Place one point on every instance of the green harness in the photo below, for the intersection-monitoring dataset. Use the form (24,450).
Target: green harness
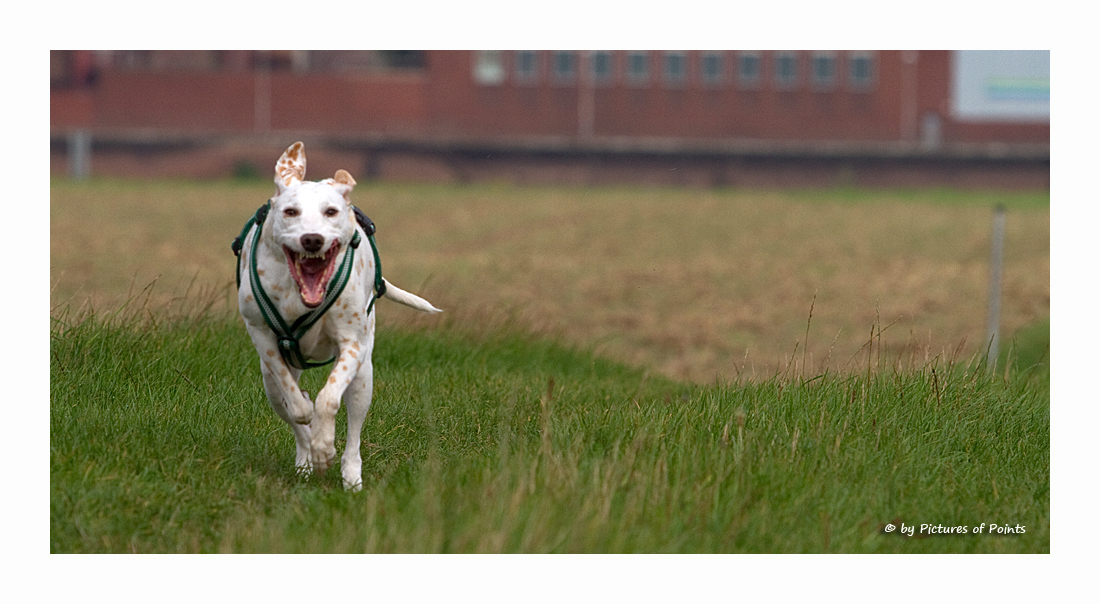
(289,335)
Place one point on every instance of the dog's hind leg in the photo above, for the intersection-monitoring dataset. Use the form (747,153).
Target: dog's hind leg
(357,398)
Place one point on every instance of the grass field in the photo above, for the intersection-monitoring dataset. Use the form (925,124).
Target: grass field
(162,441)
(567,400)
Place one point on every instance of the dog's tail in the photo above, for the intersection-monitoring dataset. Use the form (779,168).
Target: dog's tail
(411,300)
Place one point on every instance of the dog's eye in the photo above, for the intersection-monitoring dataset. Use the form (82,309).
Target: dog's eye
(331,212)
(290,212)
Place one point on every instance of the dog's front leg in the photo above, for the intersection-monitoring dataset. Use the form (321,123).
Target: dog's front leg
(283,394)
(323,427)
(277,398)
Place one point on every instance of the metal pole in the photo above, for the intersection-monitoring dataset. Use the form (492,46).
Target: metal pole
(80,154)
(993,324)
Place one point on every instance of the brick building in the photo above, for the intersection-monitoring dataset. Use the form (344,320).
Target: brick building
(715,117)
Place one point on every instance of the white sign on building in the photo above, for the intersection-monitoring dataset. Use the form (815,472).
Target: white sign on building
(1001,85)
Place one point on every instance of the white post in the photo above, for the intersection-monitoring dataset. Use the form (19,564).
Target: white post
(993,324)
(80,154)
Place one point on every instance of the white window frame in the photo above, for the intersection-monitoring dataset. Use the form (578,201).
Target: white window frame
(598,78)
(719,76)
(782,82)
(670,79)
(744,80)
(564,78)
(860,84)
(638,78)
(522,76)
(824,82)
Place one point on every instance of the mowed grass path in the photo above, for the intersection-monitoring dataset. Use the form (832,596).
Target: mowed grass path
(161,441)
(695,284)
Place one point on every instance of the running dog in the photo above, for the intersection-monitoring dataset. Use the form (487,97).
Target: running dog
(306,292)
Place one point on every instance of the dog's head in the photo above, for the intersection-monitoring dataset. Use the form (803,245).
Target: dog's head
(311,221)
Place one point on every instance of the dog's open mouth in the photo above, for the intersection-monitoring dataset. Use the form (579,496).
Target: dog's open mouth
(312,273)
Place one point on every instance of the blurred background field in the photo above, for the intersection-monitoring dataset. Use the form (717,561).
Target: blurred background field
(695,284)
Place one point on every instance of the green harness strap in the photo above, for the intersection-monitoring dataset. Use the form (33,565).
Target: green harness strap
(289,336)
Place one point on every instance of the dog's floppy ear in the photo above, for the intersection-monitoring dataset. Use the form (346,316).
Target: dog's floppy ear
(291,167)
(342,182)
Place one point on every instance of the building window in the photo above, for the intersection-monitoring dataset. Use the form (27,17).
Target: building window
(861,70)
(823,70)
(601,67)
(712,67)
(489,67)
(527,66)
(749,69)
(637,68)
(675,69)
(786,70)
(565,66)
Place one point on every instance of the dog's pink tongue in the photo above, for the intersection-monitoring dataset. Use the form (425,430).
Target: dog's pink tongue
(312,286)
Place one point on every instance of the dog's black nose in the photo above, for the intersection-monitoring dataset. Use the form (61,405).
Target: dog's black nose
(312,242)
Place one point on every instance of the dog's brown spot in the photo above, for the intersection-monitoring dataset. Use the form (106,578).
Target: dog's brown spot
(292,164)
(355,345)
(248,298)
(332,379)
(260,272)
(270,353)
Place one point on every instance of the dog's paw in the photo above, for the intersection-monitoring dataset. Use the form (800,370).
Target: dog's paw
(353,487)
(351,470)
(303,419)
(322,462)
(302,413)
(322,455)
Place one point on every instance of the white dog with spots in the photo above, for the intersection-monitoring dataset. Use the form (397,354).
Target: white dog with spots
(308,230)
